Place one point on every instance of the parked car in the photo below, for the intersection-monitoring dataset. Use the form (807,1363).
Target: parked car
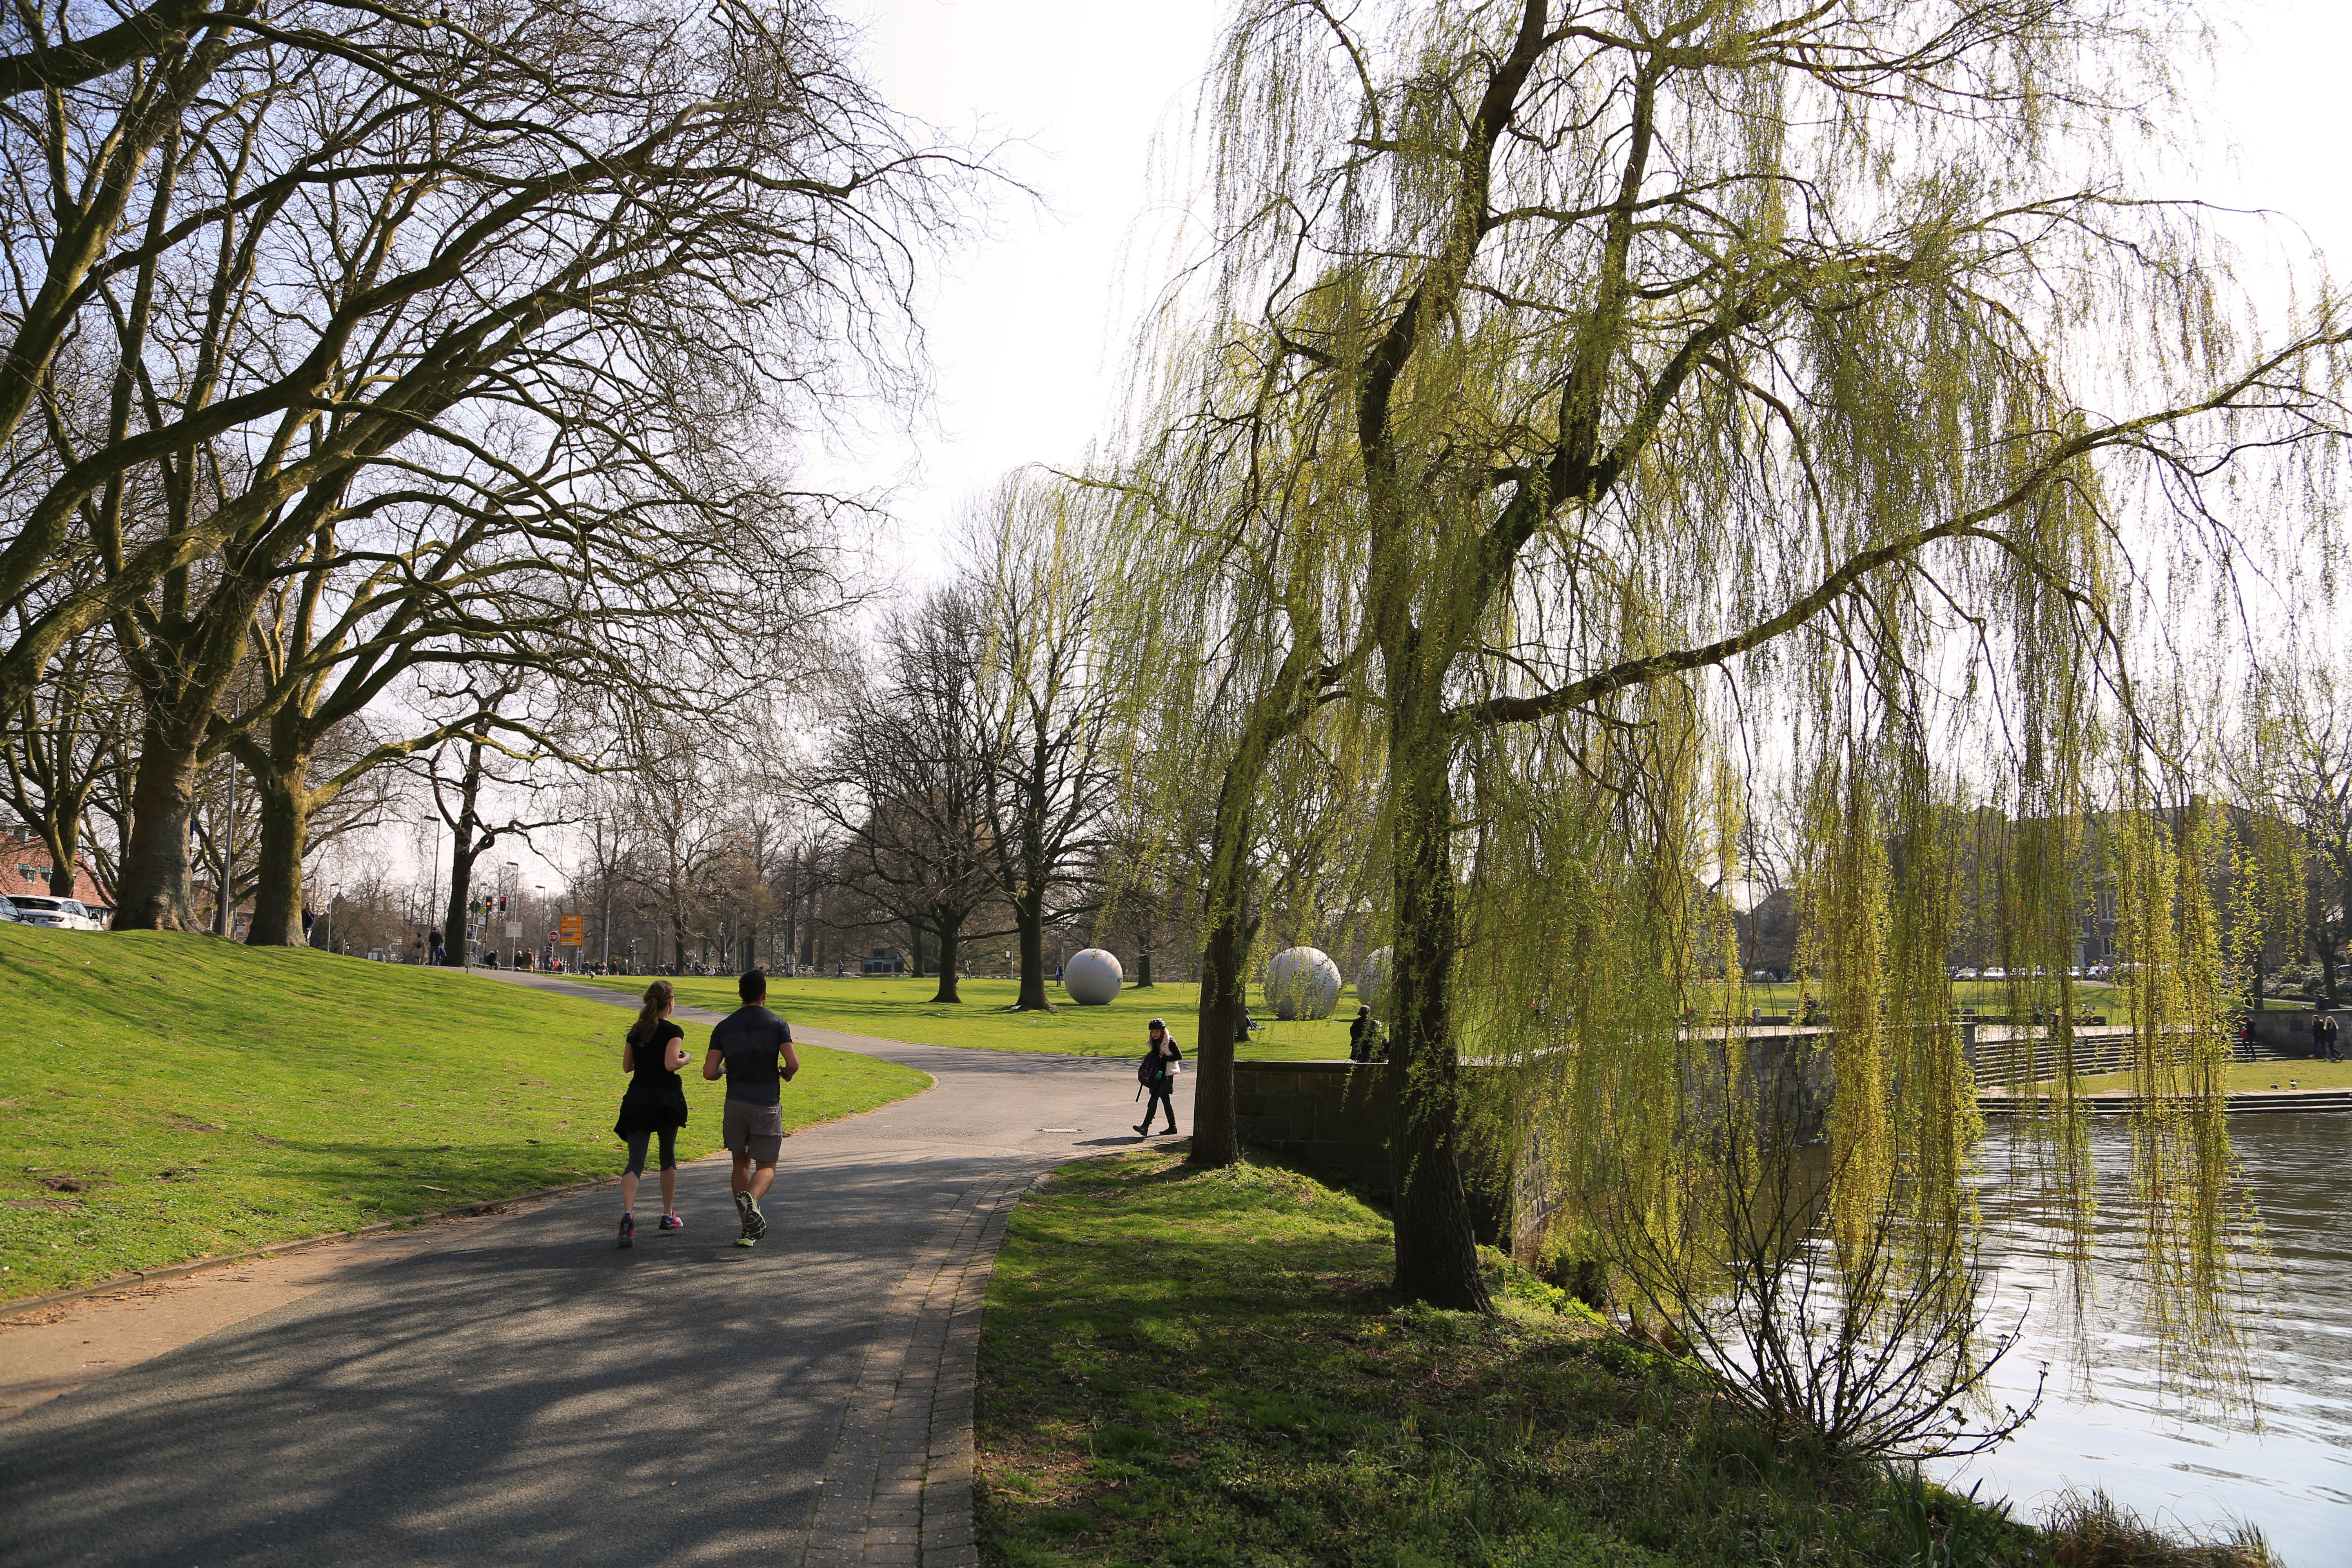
(8,915)
(67,914)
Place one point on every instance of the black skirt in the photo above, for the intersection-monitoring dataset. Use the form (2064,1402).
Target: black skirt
(651,1112)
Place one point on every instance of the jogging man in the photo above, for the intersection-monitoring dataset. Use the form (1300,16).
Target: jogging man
(753,1050)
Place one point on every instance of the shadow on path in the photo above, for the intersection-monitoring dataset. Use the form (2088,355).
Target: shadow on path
(528,1392)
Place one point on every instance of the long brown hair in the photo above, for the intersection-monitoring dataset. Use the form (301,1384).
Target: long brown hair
(656,999)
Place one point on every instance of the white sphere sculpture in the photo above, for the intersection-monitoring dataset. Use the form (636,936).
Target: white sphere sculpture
(1372,978)
(1302,982)
(1093,977)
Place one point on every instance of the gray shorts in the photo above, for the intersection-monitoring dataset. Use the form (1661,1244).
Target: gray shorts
(753,1131)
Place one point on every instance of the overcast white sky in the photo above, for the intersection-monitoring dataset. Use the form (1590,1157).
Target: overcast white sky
(1027,327)
(1027,330)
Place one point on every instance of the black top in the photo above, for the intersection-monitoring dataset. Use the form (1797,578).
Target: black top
(753,1039)
(655,1098)
(1154,1066)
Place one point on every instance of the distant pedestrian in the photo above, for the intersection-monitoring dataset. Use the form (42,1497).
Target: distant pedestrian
(439,954)
(654,1106)
(753,1050)
(1157,1072)
(2326,1038)
(1363,1035)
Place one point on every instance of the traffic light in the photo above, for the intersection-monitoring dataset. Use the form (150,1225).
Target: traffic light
(502,903)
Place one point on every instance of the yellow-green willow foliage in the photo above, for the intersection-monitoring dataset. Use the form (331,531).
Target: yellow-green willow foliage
(1711,386)
(1232,549)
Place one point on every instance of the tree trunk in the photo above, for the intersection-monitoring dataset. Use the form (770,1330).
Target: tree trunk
(277,871)
(1223,995)
(1224,989)
(1029,920)
(463,852)
(1143,970)
(1436,1251)
(154,894)
(915,949)
(950,945)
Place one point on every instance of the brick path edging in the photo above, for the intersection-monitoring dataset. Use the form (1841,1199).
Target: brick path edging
(898,1487)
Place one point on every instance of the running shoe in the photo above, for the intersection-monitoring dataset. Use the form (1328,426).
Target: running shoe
(671,1222)
(628,1230)
(755,1224)
(743,1211)
(747,1239)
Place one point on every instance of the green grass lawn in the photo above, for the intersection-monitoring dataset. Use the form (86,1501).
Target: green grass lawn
(1984,995)
(2259,1077)
(1186,1367)
(902,1010)
(178,1097)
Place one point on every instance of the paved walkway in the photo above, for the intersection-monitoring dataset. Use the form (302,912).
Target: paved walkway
(520,1391)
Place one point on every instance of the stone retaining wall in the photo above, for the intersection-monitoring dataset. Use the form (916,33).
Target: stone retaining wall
(1330,1115)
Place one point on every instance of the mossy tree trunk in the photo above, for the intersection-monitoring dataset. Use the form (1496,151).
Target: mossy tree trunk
(282,784)
(154,893)
(1436,1253)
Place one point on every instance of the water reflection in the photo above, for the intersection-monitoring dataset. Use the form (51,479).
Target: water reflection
(2284,1463)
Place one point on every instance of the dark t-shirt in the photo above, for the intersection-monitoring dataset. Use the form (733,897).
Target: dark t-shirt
(752,1040)
(654,1099)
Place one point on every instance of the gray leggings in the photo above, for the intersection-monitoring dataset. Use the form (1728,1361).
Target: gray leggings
(637,1142)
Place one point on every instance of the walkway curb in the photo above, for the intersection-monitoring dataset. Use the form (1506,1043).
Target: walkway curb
(898,1486)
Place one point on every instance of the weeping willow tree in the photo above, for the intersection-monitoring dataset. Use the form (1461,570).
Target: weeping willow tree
(1233,529)
(1721,389)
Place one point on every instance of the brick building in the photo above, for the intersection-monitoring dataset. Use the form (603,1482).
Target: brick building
(24,865)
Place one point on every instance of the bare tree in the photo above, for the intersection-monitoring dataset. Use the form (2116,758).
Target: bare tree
(648,229)
(466,787)
(1052,787)
(65,740)
(678,804)
(907,785)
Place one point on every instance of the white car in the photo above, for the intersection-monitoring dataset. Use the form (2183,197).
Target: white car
(65,914)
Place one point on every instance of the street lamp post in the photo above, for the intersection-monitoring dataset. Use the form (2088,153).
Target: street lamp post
(513,890)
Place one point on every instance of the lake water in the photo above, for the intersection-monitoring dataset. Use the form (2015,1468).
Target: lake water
(2105,1421)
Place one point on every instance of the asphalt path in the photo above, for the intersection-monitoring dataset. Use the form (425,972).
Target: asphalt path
(528,1393)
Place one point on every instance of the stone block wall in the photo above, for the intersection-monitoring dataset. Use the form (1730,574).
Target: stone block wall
(1330,1116)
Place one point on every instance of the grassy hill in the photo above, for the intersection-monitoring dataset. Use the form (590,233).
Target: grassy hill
(176,1097)
(902,1010)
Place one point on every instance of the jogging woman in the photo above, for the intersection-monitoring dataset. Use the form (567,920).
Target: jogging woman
(655,1103)
(1157,1071)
